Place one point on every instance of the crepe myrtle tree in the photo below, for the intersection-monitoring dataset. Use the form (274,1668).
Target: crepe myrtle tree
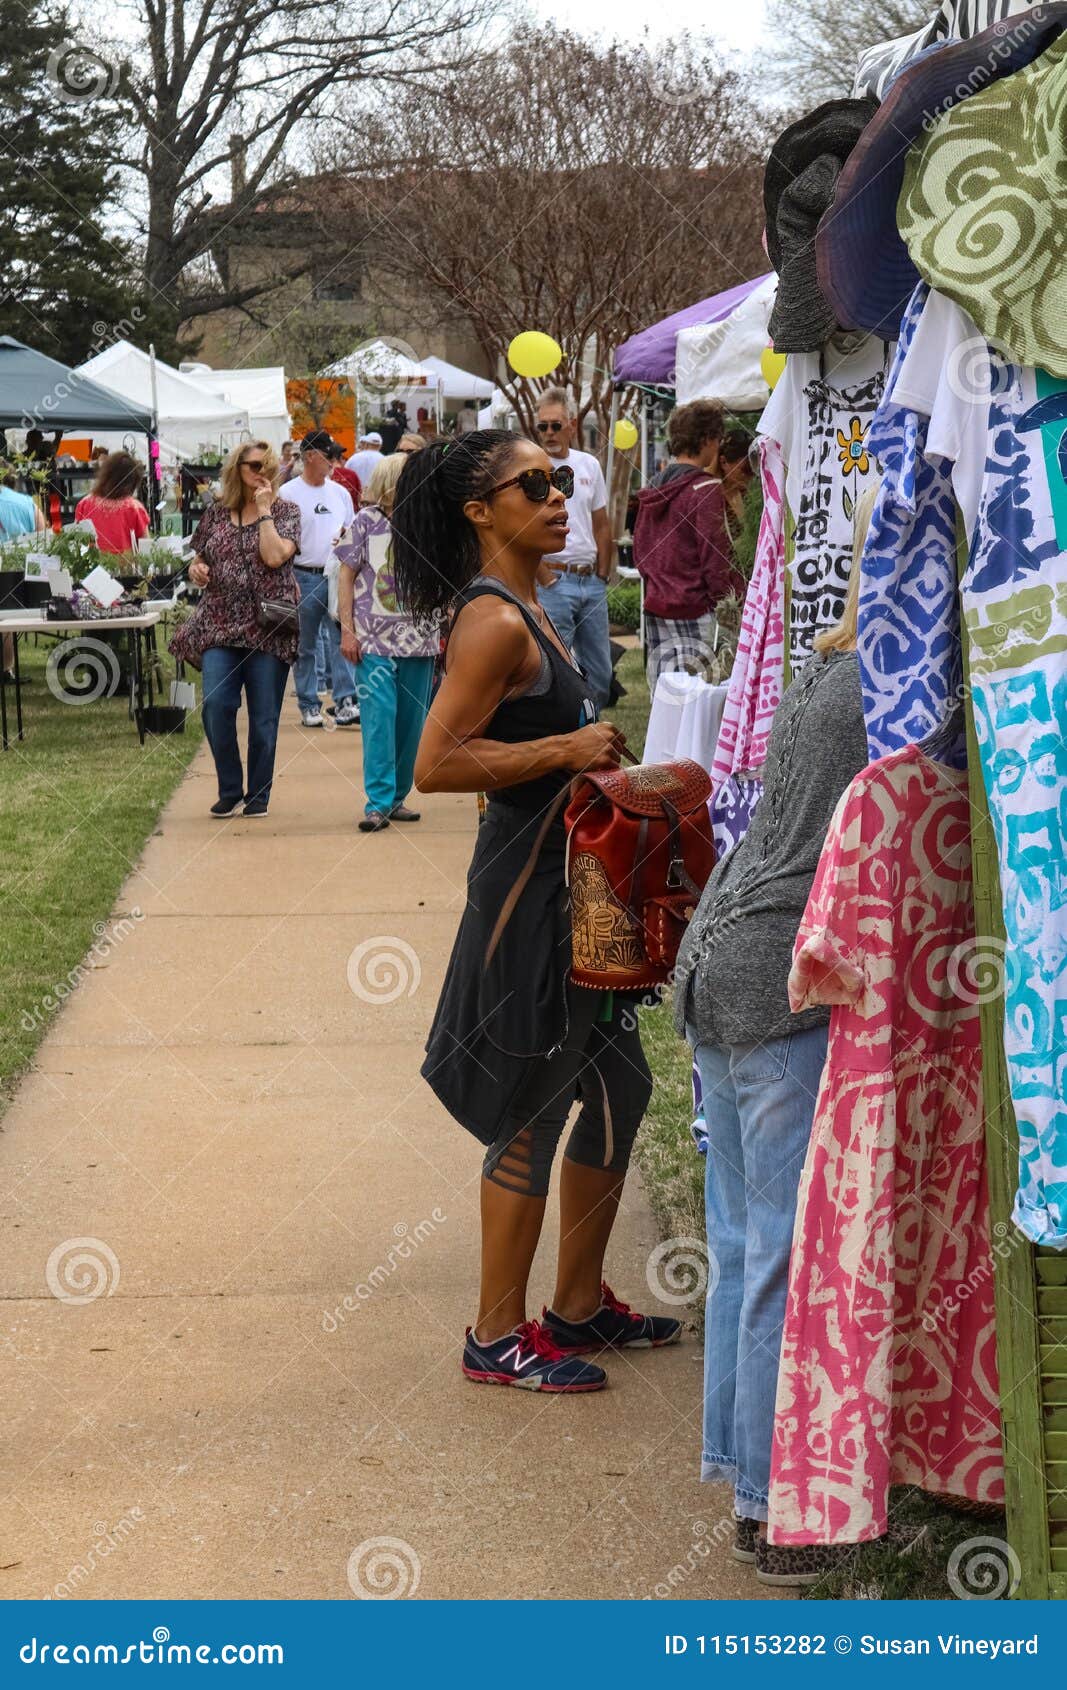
(223,95)
(580,189)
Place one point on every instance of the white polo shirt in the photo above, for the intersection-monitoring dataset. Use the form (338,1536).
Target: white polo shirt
(324,514)
(590,494)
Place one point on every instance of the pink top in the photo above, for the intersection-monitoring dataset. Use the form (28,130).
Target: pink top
(119,523)
(756,682)
(888,1372)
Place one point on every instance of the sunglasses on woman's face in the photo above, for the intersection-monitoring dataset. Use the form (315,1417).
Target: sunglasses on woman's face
(549,427)
(535,483)
(252,463)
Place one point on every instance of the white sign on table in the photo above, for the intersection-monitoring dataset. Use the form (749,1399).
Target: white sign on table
(104,588)
(60,582)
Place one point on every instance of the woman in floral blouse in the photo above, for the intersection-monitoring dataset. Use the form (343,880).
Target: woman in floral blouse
(243,547)
(395,657)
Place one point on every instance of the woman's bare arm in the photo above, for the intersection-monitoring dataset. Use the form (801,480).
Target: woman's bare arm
(488,659)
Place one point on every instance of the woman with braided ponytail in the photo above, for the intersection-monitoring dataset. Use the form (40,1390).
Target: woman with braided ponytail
(512,1045)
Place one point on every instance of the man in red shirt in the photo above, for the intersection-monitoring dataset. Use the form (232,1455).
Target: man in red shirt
(347,477)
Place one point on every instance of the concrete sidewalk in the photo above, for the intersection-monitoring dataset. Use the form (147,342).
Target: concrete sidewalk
(224,1137)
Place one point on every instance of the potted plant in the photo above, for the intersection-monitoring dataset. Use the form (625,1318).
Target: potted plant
(162,567)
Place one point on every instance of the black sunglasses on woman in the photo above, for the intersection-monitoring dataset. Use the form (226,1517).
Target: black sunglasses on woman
(536,483)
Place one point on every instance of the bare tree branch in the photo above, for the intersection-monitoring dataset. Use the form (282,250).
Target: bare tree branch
(587,192)
(815,47)
(217,83)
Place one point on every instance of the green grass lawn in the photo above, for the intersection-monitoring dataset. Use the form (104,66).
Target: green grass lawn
(78,798)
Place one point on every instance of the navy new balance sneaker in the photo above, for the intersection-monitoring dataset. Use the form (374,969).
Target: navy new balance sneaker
(614,1326)
(528,1358)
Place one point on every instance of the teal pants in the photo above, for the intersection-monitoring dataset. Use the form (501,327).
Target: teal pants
(394,696)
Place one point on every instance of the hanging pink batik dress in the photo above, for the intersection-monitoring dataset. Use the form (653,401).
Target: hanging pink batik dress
(888,1371)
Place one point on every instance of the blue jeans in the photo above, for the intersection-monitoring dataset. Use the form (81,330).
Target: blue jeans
(226,671)
(394,696)
(578,606)
(759,1105)
(314,609)
(323,656)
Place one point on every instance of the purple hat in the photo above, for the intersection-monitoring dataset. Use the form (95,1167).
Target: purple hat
(864,270)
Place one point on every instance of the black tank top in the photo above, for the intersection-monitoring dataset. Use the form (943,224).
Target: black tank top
(557,703)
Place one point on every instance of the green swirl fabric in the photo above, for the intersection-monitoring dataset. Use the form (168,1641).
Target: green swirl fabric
(983,210)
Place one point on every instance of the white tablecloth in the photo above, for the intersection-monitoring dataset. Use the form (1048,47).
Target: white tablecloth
(685,719)
(36,622)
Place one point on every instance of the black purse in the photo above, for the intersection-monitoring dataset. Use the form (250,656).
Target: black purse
(278,615)
(275,615)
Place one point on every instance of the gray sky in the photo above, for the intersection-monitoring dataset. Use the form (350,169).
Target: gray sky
(736,23)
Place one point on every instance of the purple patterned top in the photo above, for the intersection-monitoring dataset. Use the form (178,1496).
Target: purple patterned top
(381,626)
(228,612)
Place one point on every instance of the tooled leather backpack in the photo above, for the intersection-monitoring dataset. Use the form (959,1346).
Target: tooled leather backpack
(639,852)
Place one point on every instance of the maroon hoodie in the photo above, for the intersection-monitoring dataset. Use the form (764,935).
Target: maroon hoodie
(681,547)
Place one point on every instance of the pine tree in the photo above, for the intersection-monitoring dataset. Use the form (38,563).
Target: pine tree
(67,285)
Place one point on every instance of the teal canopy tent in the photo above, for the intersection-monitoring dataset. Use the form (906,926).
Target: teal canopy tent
(38,392)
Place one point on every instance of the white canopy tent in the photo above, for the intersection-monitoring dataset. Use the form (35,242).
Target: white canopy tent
(499,413)
(722,360)
(260,392)
(457,383)
(380,371)
(188,419)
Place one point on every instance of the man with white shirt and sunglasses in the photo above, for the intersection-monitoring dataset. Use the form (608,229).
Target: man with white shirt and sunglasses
(326,512)
(577,599)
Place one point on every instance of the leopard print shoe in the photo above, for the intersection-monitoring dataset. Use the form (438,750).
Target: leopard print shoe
(745,1534)
(804,1564)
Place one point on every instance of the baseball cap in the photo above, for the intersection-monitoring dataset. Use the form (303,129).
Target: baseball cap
(317,441)
(373,439)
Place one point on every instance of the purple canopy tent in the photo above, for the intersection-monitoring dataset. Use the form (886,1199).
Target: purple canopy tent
(648,357)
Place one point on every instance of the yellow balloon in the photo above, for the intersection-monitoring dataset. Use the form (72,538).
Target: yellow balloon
(534,354)
(771,365)
(625,434)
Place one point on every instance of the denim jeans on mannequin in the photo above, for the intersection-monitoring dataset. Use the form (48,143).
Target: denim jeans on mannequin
(759,1105)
